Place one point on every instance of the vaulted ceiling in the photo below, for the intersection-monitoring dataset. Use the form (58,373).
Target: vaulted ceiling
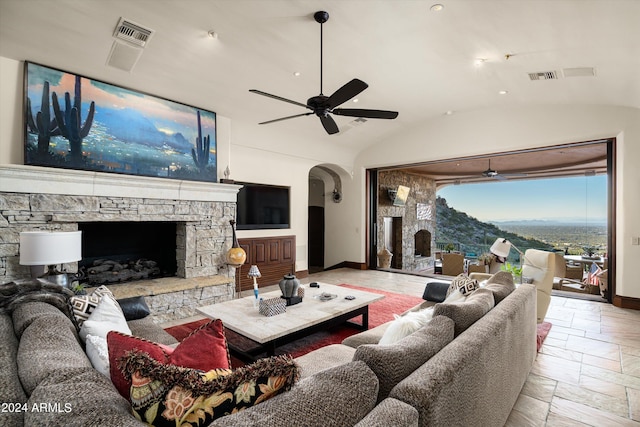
(420,62)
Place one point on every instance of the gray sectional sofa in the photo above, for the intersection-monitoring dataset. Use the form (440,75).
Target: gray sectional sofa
(433,377)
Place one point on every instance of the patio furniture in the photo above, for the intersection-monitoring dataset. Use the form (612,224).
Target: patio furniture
(539,266)
(475,268)
(452,264)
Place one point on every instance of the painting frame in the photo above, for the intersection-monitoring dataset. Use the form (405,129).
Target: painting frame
(76,122)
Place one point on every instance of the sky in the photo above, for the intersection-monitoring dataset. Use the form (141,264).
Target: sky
(577,199)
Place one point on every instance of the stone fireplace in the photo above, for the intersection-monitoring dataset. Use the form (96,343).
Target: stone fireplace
(189,219)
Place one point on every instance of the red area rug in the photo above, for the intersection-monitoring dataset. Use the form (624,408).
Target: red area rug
(379,312)
(543,331)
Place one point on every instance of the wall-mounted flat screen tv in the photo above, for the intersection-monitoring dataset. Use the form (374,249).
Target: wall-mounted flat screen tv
(262,206)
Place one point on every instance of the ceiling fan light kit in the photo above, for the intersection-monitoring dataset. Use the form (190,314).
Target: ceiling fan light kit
(323,106)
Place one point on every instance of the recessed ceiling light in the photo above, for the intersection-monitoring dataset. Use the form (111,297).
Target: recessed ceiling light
(503,92)
(448,113)
(355,99)
(212,34)
(479,61)
(437,7)
(297,73)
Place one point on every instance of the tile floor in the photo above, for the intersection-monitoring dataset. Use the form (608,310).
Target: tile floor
(588,370)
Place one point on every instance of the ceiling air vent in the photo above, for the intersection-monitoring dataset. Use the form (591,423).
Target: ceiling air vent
(132,32)
(579,72)
(543,75)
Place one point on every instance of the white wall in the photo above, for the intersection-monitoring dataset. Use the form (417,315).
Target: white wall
(498,130)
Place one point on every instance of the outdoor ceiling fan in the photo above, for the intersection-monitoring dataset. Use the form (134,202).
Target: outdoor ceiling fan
(323,106)
(490,173)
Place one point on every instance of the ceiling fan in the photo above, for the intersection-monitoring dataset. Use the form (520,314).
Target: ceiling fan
(490,173)
(323,106)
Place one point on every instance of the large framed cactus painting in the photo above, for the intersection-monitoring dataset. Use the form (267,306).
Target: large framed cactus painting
(80,123)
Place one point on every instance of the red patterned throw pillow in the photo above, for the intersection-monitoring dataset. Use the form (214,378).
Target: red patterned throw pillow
(204,349)
(168,395)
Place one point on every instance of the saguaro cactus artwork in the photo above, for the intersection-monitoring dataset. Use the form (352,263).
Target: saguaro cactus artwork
(43,125)
(200,154)
(70,121)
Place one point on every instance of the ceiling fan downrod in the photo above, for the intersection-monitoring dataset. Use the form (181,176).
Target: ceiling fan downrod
(321,17)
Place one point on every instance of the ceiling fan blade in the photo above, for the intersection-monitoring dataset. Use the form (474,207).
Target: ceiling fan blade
(346,92)
(369,114)
(499,177)
(279,98)
(284,118)
(329,124)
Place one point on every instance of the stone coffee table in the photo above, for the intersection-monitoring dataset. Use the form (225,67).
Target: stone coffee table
(256,334)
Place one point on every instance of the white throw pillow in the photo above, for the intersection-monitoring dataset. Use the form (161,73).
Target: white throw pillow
(456,297)
(404,326)
(107,316)
(98,354)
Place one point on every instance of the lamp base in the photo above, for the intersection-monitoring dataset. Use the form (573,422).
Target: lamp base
(54,276)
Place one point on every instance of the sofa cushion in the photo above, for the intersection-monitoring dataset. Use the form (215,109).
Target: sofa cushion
(391,412)
(204,349)
(83,305)
(82,397)
(106,317)
(465,314)
(168,395)
(147,328)
(10,388)
(393,363)
(49,343)
(134,308)
(324,358)
(501,284)
(339,396)
(370,336)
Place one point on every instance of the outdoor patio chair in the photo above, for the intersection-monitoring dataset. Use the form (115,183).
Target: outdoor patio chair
(452,264)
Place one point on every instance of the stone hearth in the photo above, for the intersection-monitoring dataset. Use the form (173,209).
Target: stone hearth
(37,198)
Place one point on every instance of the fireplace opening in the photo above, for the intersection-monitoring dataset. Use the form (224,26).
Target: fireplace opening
(422,243)
(115,252)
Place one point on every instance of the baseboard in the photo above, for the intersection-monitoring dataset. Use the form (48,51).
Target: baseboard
(348,264)
(300,274)
(626,302)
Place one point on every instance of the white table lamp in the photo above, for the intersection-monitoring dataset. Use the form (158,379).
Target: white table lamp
(254,273)
(46,248)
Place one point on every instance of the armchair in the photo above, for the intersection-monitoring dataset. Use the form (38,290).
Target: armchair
(452,264)
(540,266)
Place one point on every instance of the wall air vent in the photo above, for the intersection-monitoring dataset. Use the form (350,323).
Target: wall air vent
(543,75)
(132,32)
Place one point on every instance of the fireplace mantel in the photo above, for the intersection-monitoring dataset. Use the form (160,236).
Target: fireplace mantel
(43,198)
(46,180)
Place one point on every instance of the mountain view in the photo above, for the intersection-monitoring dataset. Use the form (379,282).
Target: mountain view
(470,235)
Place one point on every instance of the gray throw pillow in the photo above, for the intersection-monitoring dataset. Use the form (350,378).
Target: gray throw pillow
(501,284)
(393,363)
(466,313)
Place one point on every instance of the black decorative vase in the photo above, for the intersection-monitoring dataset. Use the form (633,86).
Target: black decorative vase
(289,287)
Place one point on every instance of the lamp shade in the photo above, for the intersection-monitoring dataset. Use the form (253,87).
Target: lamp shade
(501,247)
(48,248)
(254,272)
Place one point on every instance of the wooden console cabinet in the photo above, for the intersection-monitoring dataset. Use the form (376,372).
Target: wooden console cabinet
(274,256)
